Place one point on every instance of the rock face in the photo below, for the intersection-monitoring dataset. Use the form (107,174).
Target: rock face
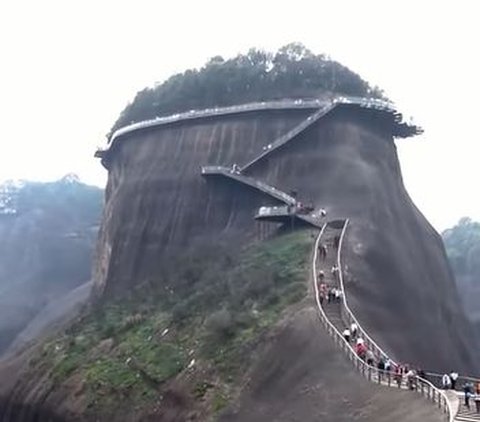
(399,281)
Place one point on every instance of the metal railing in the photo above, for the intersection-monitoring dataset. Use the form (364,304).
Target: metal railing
(417,384)
(258,106)
(229,172)
(282,140)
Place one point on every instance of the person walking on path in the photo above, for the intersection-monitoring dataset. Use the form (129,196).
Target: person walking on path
(467,391)
(381,369)
(398,375)
(453,379)
(346,335)
(323,251)
(370,357)
(446,382)
(354,330)
(338,295)
(411,379)
(477,402)
(331,294)
(361,349)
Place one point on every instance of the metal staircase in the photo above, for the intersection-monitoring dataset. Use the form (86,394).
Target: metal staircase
(282,140)
(273,192)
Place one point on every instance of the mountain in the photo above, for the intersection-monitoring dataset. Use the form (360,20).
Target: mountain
(203,306)
(463,249)
(48,231)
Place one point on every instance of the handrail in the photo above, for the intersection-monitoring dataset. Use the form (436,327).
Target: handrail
(427,389)
(293,133)
(277,193)
(371,103)
(462,379)
(345,303)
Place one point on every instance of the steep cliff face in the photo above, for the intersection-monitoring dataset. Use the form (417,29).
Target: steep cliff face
(399,281)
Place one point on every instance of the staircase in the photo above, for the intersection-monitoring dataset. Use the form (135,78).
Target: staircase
(335,318)
(466,414)
(273,192)
(282,140)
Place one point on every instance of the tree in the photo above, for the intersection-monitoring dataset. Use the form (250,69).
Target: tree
(292,72)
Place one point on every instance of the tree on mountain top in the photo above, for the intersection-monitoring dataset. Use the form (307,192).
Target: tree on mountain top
(292,72)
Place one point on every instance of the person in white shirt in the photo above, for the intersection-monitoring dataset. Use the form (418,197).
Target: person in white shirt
(354,330)
(453,379)
(346,335)
(446,382)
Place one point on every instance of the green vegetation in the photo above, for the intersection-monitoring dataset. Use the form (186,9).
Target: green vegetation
(292,72)
(463,248)
(210,313)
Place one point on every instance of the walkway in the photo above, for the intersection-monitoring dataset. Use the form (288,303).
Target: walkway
(400,129)
(273,192)
(282,140)
(336,316)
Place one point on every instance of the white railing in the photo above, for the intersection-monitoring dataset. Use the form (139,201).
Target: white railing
(424,387)
(282,140)
(229,172)
(348,314)
(243,108)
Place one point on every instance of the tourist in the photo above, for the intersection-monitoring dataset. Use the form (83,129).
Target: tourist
(388,365)
(381,368)
(323,251)
(321,276)
(467,391)
(370,357)
(338,295)
(361,349)
(477,402)
(331,294)
(453,379)
(446,382)
(398,375)
(354,330)
(411,379)
(346,335)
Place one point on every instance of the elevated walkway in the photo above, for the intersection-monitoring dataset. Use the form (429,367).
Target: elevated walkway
(233,174)
(288,215)
(297,130)
(337,315)
(281,214)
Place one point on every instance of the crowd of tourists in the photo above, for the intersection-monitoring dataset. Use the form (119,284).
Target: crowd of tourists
(471,392)
(383,365)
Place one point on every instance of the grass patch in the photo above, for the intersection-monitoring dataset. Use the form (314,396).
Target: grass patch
(213,307)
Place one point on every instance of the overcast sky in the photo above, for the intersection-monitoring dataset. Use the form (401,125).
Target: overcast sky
(68,68)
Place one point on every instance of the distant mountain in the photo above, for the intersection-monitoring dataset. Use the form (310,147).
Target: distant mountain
(47,233)
(463,249)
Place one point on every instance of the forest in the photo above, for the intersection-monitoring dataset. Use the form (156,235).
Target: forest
(291,72)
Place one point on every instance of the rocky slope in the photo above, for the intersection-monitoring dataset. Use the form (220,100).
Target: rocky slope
(346,163)
(158,207)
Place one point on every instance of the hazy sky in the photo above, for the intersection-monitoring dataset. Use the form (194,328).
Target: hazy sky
(68,68)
